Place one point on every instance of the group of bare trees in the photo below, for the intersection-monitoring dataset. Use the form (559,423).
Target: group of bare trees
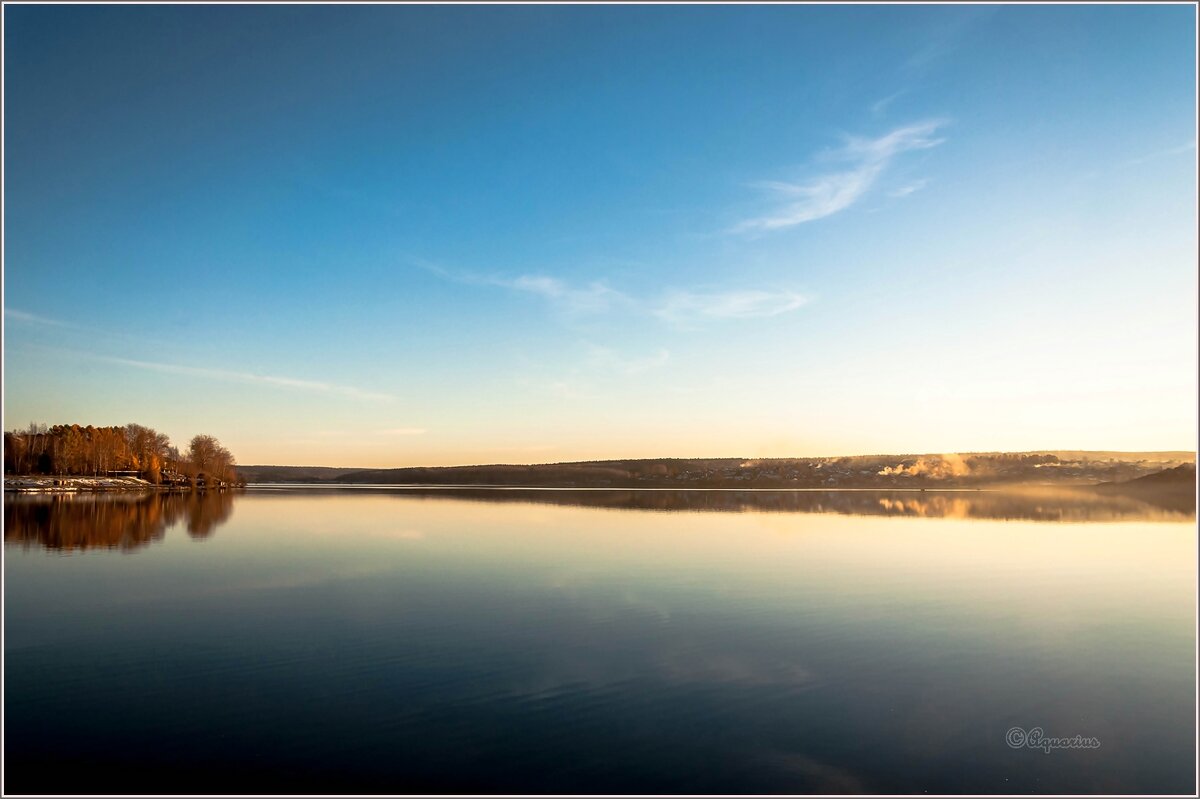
(206,456)
(74,450)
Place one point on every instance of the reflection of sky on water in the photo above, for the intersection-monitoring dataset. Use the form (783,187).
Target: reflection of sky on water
(362,639)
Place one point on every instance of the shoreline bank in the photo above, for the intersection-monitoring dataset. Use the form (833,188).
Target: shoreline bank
(64,484)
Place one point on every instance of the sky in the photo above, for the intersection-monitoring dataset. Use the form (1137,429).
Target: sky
(433,235)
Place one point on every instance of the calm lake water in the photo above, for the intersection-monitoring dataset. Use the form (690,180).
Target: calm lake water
(405,641)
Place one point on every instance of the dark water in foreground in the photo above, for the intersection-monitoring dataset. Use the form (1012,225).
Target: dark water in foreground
(392,641)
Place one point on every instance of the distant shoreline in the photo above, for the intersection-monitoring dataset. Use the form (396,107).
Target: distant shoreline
(876,472)
(1102,471)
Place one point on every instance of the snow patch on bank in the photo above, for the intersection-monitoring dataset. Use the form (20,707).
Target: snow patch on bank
(49,484)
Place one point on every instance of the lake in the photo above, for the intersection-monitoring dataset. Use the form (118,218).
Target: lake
(386,640)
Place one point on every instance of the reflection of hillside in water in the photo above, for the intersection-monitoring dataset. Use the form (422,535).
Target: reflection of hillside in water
(1046,505)
(77,522)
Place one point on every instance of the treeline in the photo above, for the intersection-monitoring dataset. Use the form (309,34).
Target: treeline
(74,450)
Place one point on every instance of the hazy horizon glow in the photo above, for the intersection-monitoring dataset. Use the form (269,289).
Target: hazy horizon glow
(433,235)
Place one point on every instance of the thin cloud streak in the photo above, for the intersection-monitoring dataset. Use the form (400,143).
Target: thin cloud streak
(600,368)
(832,192)
(249,377)
(910,188)
(947,37)
(593,298)
(690,307)
(880,107)
(609,360)
(1180,150)
(48,324)
(681,308)
(14,315)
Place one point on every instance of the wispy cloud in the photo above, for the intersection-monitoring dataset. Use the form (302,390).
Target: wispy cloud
(591,298)
(691,307)
(14,315)
(248,377)
(1186,147)
(49,325)
(880,107)
(609,360)
(683,308)
(600,369)
(595,297)
(946,35)
(909,188)
(402,431)
(834,191)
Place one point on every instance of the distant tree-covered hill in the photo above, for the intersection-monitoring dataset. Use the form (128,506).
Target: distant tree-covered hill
(866,471)
(1173,488)
(292,474)
(1184,473)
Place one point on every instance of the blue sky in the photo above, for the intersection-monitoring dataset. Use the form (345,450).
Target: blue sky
(386,235)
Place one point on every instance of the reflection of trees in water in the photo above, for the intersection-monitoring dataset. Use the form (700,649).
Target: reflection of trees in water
(77,522)
(208,512)
(1047,505)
